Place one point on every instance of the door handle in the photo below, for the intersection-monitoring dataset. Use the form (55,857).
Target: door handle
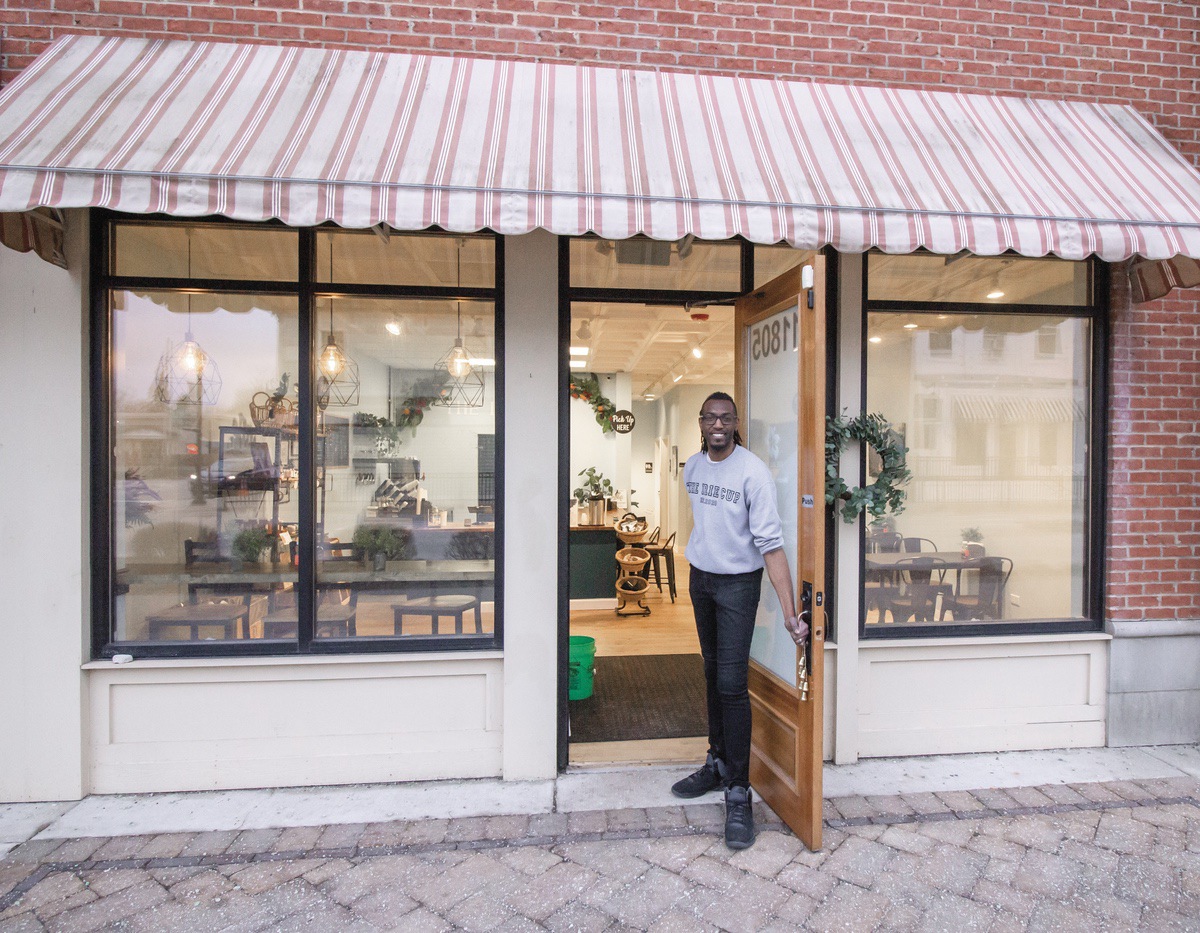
(804,658)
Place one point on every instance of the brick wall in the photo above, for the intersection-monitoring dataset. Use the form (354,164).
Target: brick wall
(1154,502)
(1121,51)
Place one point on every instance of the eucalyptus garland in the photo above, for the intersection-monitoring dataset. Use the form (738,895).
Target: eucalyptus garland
(586,387)
(884,494)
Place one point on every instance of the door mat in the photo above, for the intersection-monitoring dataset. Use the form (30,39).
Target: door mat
(650,696)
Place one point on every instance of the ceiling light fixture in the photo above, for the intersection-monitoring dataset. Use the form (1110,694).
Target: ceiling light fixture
(875,340)
(579,351)
(337,374)
(185,373)
(461,385)
(578,364)
(393,328)
(910,326)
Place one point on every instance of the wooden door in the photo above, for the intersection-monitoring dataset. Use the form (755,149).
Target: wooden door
(780,381)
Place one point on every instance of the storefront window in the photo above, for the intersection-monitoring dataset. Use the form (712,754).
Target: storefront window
(217,482)
(995,409)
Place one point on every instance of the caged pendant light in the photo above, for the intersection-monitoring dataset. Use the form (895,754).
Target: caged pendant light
(337,374)
(460,384)
(185,374)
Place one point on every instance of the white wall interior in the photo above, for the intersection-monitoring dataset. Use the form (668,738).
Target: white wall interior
(44,525)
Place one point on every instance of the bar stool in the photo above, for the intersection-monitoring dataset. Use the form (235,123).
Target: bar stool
(666,551)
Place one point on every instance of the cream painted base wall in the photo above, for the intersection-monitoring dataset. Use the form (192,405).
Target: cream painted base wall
(946,696)
(278,722)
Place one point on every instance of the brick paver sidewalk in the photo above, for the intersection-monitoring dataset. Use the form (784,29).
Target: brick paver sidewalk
(1113,856)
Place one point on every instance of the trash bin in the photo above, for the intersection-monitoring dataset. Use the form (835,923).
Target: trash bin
(581,657)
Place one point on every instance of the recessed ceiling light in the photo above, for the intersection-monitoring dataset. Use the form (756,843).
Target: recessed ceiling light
(649,397)
(677,378)
(910,326)
(995,293)
(393,328)
(481,361)
(579,351)
(578,364)
(875,340)
(697,352)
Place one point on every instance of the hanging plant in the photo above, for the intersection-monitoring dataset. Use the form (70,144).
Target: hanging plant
(586,387)
(884,494)
(412,411)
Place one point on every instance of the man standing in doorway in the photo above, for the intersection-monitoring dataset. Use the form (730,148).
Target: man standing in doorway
(736,532)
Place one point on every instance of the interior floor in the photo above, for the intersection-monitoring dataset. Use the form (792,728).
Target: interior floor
(669,629)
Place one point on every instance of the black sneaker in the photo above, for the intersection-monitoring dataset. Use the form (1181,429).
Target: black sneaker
(739,818)
(709,777)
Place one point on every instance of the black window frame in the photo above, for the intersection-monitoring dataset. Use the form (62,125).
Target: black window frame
(307,291)
(1096,311)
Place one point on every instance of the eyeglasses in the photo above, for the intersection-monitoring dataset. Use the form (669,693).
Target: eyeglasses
(708,419)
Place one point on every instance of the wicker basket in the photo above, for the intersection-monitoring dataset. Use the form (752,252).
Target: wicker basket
(629,529)
(267,411)
(632,559)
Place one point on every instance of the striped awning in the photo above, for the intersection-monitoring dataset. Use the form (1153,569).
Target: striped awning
(413,141)
(1045,409)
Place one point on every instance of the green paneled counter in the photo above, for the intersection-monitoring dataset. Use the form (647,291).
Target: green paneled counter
(593,551)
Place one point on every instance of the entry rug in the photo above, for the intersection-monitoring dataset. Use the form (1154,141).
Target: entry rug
(650,696)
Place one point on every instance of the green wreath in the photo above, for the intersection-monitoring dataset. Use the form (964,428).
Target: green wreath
(884,494)
(586,387)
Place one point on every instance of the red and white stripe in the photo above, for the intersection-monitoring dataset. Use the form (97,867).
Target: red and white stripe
(363,138)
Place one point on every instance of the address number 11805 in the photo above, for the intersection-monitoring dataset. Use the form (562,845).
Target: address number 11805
(774,336)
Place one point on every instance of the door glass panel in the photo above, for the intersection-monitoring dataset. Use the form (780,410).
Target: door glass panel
(773,406)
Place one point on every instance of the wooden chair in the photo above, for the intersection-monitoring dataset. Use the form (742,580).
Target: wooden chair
(452,605)
(223,607)
(987,602)
(337,609)
(664,552)
(211,606)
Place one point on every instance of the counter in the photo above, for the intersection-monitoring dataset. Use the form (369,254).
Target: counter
(592,550)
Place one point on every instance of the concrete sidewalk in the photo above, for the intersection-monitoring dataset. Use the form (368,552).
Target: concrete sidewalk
(1080,839)
(575,791)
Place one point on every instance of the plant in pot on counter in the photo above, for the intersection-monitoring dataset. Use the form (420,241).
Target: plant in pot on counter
(595,488)
(249,543)
(381,543)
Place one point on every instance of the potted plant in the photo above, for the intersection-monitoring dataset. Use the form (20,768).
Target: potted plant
(249,543)
(593,493)
(971,546)
(381,543)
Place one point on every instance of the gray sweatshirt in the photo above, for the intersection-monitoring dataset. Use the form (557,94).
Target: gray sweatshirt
(734,511)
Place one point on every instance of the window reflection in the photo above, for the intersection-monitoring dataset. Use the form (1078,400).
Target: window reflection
(995,524)
(206,530)
(406,485)
(203,492)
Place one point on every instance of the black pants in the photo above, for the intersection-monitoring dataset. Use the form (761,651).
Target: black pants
(725,605)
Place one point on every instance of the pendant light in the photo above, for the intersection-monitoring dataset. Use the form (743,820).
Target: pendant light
(186,375)
(337,373)
(461,386)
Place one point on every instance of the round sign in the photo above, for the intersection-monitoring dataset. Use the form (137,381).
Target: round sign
(623,421)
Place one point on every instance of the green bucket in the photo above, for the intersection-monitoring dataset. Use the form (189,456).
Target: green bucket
(581,658)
